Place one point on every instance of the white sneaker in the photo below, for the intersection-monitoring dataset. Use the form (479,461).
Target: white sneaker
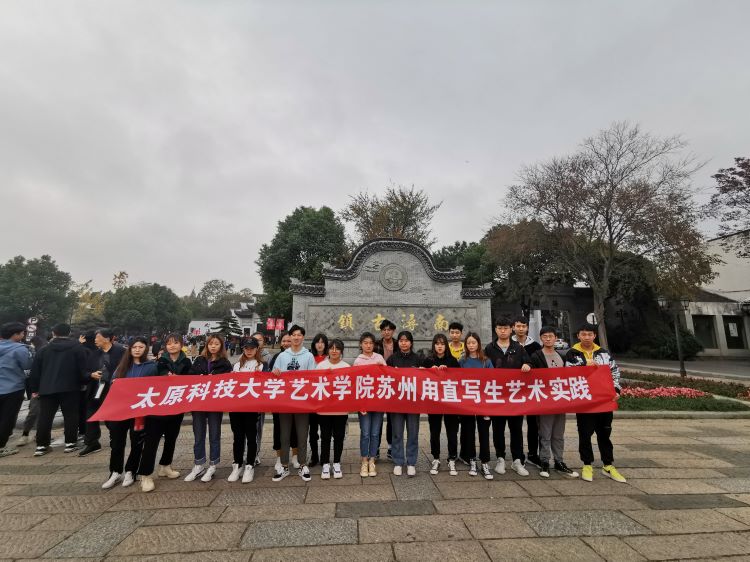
(435,468)
(167,471)
(147,484)
(23,440)
(235,475)
(304,473)
(248,475)
(127,479)
(486,472)
(295,461)
(209,474)
(472,467)
(337,470)
(195,473)
(278,466)
(452,468)
(398,470)
(325,474)
(500,466)
(519,468)
(114,478)
(411,470)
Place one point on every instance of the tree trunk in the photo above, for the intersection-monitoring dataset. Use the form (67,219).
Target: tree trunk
(599,312)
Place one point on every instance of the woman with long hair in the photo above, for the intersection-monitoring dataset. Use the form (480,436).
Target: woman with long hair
(441,358)
(171,362)
(133,364)
(245,424)
(405,358)
(332,424)
(319,350)
(213,361)
(370,423)
(474,359)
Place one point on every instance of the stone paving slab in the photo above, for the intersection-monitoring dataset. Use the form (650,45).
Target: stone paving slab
(601,486)
(65,504)
(499,526)
(181,516)
(671,473)
(20,522)
(420,487)
(411,529)
(356,510)
(540,550)
(589,503)
(30,544)
(165,500)
(181,538)
(445,551)
(248,513)
(613,548)
(582,523)
(481,489)
(687,501)
(676,487)
(261,496)
(741,514)
(735,485)
(65,522)
(677,521)
(100,536)
(352,494)
(704,545)
(486,505)
(265,534)
(336,553)
(202,556)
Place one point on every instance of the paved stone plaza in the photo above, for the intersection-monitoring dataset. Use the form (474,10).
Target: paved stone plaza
(688,496)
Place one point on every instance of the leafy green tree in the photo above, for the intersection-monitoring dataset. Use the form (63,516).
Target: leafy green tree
(88,313)
(623,191)
(214,290)
(35,287)
(732,204)
(145,308)
(472,256)
(398,213)
(304,241)
(229,326)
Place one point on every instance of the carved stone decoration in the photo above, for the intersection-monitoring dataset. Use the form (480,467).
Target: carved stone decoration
(393,277)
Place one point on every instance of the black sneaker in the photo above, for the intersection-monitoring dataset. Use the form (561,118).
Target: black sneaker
(41,450)
(562,468)
(544,470)
(534,460)
(88,449)
(70,447)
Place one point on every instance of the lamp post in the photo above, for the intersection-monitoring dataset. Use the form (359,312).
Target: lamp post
(666,305)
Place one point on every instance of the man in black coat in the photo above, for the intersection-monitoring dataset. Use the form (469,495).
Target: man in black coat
(102,365)
(56,376)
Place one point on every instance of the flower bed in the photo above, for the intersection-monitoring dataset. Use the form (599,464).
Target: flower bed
(640,398)
(730,389)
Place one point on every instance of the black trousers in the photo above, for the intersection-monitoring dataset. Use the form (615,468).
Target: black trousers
(532,434)
(314,427)
(515,426)
(332,426)
(10,405)
(69,403)
(468,437)
(601,424)
(82,413)
(277,434)
(155,428)
(245,431)
(118,432)
(93,430)
(451,432)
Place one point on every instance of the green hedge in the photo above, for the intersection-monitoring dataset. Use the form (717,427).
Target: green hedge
(709,404)
(730,389)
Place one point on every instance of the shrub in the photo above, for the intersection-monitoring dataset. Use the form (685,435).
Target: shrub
(731,389)
(707,403)
(662,344)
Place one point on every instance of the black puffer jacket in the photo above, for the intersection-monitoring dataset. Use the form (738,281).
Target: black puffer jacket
(218,367)
(58,367)
(164,365)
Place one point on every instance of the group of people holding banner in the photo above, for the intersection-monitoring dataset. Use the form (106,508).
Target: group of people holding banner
(512,349)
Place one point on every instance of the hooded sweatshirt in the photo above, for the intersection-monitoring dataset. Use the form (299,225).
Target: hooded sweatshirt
(290,360)
(60,366)
(374,359)
(14,360)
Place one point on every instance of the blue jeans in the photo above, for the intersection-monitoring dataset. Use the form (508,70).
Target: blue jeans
(370,427)
(213,421)
(412,440)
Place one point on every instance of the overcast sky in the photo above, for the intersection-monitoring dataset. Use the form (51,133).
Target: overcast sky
(168,139)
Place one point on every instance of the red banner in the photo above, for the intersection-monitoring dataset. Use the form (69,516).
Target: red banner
(488,392)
